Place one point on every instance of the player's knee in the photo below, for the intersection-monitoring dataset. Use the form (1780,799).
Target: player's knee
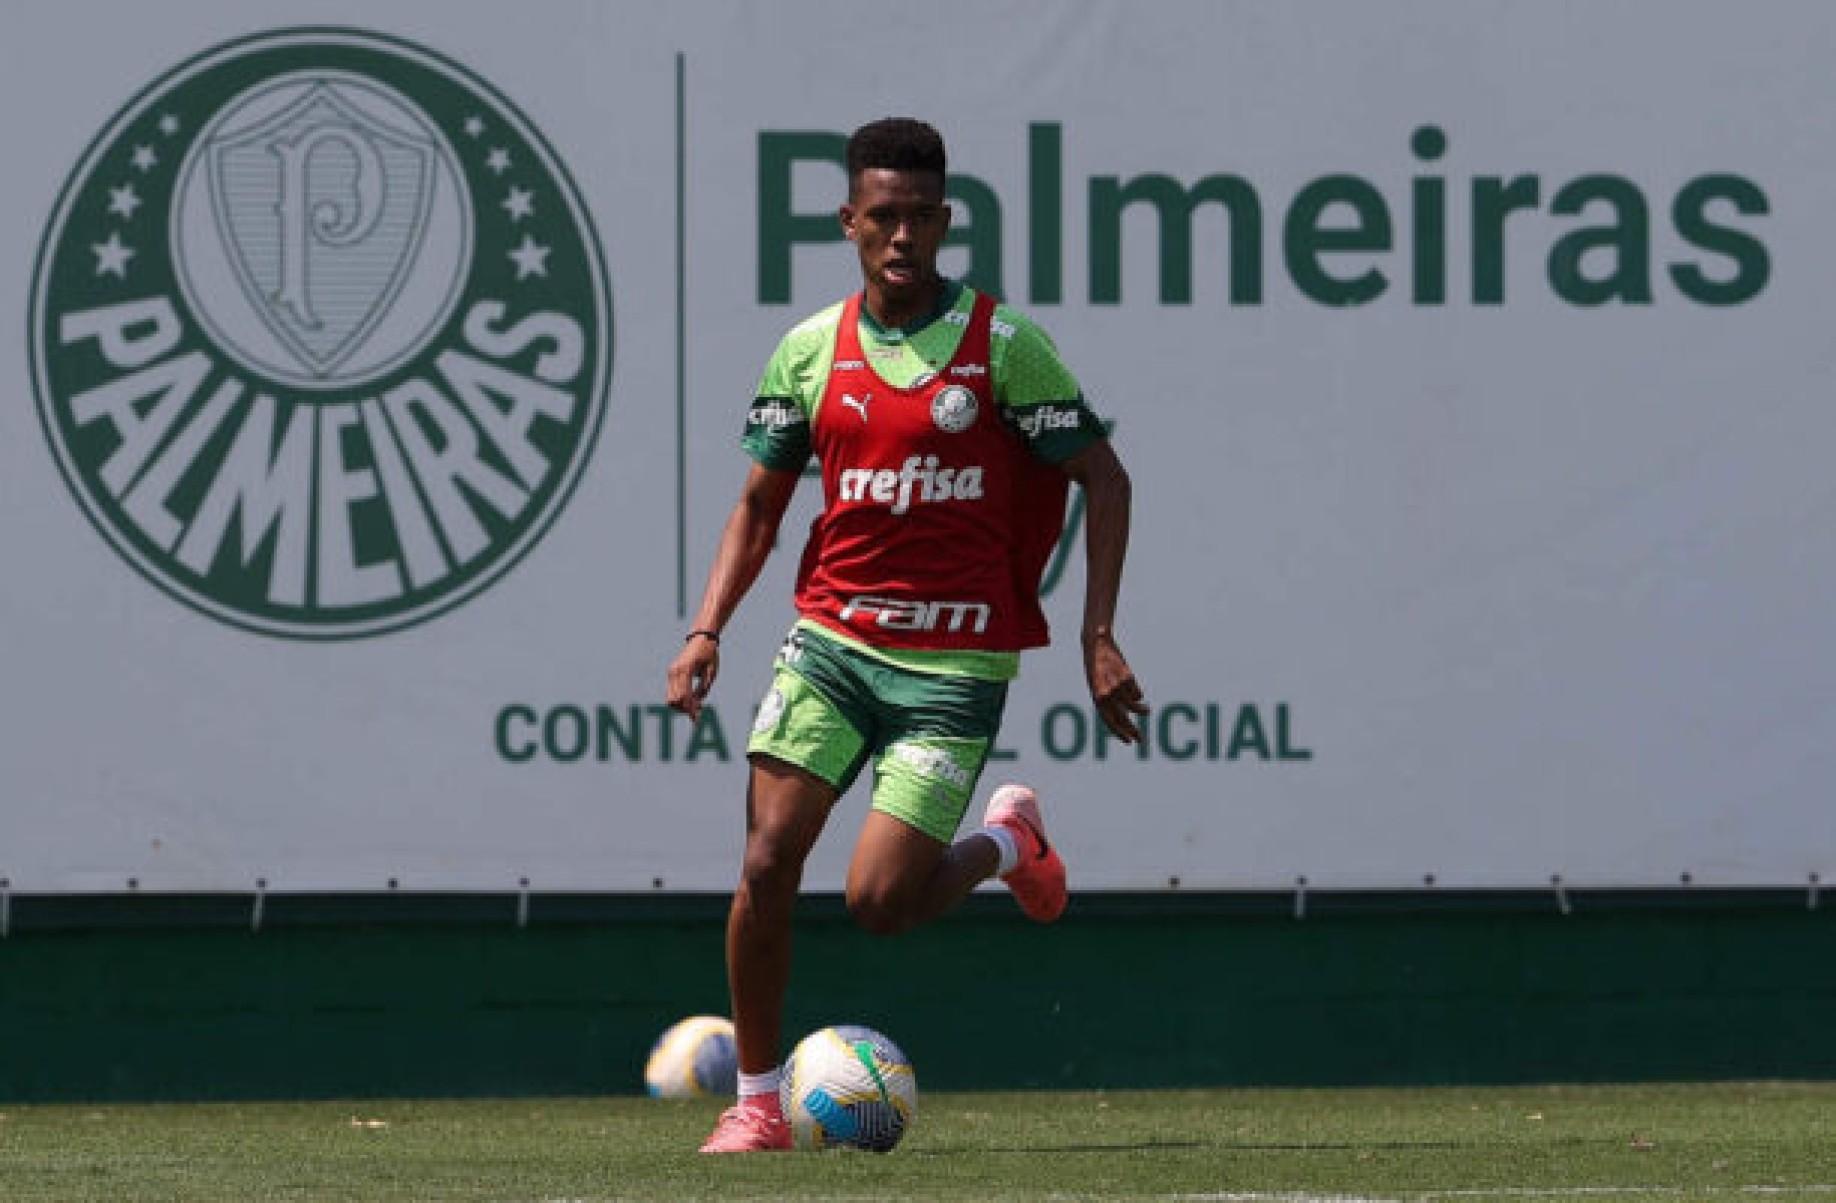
(882,909)
(772,864)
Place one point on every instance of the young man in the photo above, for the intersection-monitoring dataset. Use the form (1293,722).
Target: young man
(947,429)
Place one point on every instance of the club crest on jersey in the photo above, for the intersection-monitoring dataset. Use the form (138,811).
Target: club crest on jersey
(953,409)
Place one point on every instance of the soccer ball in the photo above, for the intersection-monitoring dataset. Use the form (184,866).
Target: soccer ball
(848,1087)
(693,1058)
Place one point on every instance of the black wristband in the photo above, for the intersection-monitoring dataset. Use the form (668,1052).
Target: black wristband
(711,636)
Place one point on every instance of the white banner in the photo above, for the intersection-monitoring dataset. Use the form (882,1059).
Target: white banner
(377,409)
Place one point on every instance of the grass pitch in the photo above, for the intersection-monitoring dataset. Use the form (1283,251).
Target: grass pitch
(1748,1142)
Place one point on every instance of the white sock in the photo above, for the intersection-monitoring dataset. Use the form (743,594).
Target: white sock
(1004,843)
(765,1083)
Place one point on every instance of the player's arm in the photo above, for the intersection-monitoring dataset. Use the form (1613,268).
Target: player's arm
(777,438)
(1036,384)
(1107,500)
(745,544)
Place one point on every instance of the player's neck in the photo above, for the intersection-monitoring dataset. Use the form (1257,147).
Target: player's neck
(910,309)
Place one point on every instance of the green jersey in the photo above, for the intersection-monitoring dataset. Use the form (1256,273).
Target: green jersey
(1038,396)
(1037,391)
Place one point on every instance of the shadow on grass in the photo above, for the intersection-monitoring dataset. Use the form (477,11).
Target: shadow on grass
(1144,1146)
(1035,1150)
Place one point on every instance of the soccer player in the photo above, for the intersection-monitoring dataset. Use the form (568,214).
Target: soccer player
(947,429)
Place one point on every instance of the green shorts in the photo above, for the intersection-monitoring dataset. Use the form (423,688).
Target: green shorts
(832,710)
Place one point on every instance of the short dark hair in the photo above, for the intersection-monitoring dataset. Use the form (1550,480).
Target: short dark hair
(897,144)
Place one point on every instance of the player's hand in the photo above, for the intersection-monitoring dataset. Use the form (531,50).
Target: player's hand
(1113,687)
(692,674)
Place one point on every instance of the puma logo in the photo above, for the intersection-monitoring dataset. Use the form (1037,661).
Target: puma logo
(858,404)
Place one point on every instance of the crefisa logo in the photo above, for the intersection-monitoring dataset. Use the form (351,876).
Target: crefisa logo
(321,335)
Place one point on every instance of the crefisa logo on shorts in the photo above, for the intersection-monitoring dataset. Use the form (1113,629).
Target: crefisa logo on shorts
(321,336)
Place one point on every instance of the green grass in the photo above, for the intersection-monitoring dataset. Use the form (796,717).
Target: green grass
(1752,1141)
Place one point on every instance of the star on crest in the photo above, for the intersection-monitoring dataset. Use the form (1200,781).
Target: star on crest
(520,204)
(123,201)
(169,124)
(498,160)
(144,159)
(531,258)
(112,256)
(474,126)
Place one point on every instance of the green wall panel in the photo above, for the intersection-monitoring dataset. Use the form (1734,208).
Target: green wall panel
(115,999)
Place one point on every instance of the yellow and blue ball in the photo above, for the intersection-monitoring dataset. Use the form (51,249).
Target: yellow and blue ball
(693,1058)
(848,1087)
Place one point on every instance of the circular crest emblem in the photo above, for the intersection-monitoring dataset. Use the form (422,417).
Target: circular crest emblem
(770,711)
(953,409)
(321,335)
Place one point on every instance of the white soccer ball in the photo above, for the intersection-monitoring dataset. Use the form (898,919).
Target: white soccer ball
(693,1058)
(848,1087)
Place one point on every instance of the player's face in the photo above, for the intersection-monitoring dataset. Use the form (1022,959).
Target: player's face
(897,221)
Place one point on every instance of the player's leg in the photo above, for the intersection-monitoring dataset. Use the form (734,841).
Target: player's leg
(1030,866)
(804,752)
(901,877)
(786,808)
(909,867)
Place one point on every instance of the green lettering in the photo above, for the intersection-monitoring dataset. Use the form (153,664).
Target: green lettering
(628,735)
(564,733)
(1163,725)
(1338,214)
(1305,239)
(1175,206)
(1104,737)
(707,738)
(1429,215)
(1248,735)
(978,229)
(1284,740)
(1056,746)
(1045,158)
(1625,242)
(1494,200)
(666,730)
(1752,265)
(522,751)
(782,229)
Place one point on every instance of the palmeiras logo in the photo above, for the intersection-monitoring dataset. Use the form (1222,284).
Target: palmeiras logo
(321,335)
(953,409)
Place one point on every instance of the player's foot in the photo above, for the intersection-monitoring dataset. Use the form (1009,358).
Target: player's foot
(754,1125)
(1038,881)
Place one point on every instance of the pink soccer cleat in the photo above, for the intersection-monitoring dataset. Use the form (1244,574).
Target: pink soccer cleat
(754,1125)
(1038,881)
